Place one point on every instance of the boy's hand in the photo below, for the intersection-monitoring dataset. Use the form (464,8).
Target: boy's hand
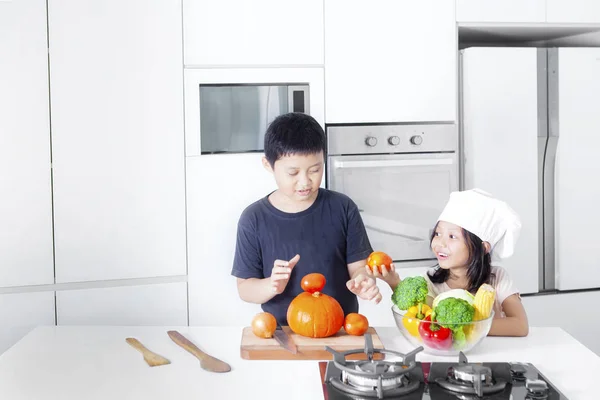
(280,275)
(390,276)
(364,287)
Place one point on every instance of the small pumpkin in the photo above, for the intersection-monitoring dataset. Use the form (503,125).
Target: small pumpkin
(313,313)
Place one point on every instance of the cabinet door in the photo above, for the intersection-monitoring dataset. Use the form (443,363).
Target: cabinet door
(25,200)
(117,138)
(577,169)
(573,11)
(157,304)
(21,312)
(212,227)
(500,11)
(262,32)
(389,61)
(491,140)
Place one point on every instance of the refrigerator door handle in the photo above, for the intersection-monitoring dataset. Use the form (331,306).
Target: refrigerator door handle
(548,276)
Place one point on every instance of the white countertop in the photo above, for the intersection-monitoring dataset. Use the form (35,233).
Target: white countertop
(77,362)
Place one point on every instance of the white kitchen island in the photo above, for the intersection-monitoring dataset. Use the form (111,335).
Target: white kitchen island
(82,362)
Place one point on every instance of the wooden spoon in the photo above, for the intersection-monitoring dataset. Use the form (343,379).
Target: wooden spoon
(207,362)
(152,359)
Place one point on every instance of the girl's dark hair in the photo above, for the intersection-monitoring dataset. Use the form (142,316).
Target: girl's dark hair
(293,133)
(480,263)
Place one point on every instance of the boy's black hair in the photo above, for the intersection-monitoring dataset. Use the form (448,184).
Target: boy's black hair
(293,133)
(480,263)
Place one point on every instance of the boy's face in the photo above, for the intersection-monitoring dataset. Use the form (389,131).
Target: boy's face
(450,246)
(298,177)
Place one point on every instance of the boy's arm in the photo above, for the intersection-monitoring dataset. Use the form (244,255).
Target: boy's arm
(261,290)
(361,284)
(356,268)
(255,290)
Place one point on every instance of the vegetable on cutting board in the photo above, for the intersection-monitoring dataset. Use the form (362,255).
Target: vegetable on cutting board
(356,324)
(312,313)
(264,325)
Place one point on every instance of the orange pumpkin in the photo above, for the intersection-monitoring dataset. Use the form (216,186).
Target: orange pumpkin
(312,313)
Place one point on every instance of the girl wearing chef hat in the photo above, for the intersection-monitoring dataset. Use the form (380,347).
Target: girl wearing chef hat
(473,229)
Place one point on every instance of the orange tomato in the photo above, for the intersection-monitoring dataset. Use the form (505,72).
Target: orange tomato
(312,283)
(264,325)
(356,324)
(378,258)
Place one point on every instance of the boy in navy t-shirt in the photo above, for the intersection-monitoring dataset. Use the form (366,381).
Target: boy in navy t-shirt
(300,228)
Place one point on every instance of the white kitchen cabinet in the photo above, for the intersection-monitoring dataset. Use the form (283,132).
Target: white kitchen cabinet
(577,168)
(573,11)
(569,311)
(21,312)
(389,61)
(505,11)
(116,82)
(25,188)
(152,304)
(212,229)
(259,32)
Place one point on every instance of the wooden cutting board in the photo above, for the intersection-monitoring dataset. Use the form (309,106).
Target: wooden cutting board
(255,348)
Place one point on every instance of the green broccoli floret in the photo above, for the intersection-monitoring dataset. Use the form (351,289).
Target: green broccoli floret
(452,313)
(410,292)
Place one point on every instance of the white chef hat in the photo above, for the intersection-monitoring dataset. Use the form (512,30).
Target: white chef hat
(492,220)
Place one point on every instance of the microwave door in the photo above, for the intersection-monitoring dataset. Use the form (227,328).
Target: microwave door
(274,101)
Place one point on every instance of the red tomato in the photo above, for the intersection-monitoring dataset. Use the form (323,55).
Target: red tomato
(312,283)
(377,259)
(356,324)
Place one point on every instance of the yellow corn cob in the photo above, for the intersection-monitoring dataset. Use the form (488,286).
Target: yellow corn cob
(484,302)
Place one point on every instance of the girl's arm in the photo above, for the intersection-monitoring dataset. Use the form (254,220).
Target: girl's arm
(515,323)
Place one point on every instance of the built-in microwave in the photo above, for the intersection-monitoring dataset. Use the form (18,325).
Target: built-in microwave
(228,111)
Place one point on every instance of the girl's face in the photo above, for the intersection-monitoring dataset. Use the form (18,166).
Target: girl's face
(450,246)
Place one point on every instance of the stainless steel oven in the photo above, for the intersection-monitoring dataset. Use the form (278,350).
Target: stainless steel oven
(400,176)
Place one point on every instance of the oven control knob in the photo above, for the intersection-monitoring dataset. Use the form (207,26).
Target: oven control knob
(416,140)
(536,386)
(394,140)
(371,141)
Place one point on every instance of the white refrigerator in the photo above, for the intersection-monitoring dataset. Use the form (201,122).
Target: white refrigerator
(530,135)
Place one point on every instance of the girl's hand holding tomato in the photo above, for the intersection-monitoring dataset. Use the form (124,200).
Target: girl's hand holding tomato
(380,265)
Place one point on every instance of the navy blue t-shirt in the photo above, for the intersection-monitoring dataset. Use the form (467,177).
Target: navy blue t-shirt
(328,236)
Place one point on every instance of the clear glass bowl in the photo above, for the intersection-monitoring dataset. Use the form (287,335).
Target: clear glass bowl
(442,342)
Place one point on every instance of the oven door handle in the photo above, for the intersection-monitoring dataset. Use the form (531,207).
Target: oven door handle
(392,163)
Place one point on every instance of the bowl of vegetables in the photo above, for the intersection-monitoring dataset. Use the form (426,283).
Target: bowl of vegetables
(456,321)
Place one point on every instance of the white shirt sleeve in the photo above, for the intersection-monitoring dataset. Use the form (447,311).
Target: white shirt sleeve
(503,284)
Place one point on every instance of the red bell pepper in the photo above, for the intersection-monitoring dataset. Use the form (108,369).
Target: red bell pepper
(440,338)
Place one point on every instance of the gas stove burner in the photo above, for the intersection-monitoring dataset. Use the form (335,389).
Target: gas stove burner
(471,379)
(375,378)
(408,379)
(363,383)
(469,373)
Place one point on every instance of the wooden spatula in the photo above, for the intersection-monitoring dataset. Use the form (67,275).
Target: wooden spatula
(207,362)
(153,359)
